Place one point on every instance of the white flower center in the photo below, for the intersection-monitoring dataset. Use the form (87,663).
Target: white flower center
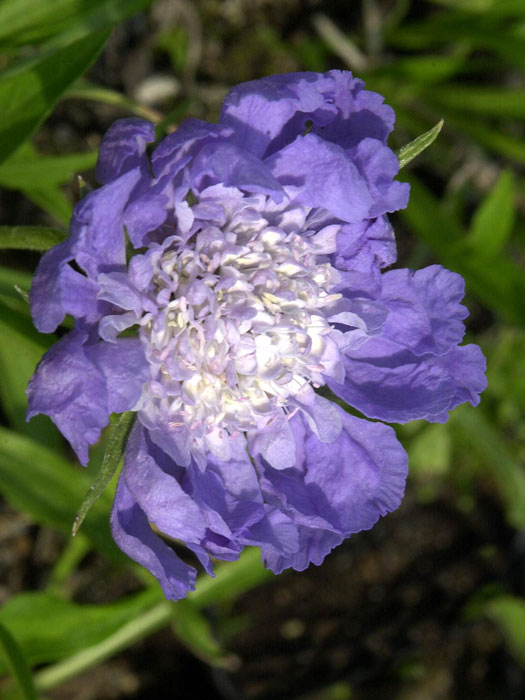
(240,337)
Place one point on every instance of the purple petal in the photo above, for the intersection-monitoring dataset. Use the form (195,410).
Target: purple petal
(425,314)
(134,536)
(71,390)
(125,370)
(379,166)
(58,289)
(231,166)
(387,382)
(176,149)
(324,175)
(337,489)
(97,229)
(123,148)
(158,492)
(269,113)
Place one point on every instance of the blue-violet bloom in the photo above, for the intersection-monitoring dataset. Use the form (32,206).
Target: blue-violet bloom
(217,284)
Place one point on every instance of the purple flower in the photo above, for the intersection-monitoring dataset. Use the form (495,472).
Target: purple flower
(217,286)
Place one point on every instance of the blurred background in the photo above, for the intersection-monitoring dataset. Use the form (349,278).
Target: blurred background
(430,604)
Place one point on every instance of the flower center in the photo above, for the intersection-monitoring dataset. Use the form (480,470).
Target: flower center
(239,338)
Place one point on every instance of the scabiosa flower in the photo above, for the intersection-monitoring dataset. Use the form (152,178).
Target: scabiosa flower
(223,288)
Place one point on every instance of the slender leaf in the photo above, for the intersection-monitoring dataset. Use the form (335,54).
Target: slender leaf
(14,661)
(494,219)
(116,438)
(29,92)
(407,153)
(48,628)
(39,482)
(30,237)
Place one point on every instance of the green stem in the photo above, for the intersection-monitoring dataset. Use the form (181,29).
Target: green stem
(231,580)
(70,557)
(158,617)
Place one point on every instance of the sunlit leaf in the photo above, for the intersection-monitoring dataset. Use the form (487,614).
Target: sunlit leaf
(407,153)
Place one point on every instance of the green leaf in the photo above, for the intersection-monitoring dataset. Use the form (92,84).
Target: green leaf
(48,628)
(494,219)
(30,237)
(490,101)
(14,661)
(31,169)
(20,350)
(508,475)
(42,484)
(500,285)
(116,438)
(430,450)
(509,614)
(194,630)
(29,91)
(11,281)
(407,153)
(29,22)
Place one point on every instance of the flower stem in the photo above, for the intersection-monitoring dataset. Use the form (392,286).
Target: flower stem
(142,626)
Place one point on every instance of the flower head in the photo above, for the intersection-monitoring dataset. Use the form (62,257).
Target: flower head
(217,287)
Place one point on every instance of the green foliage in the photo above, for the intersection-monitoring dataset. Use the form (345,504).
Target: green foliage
(27,22)
(41,483)
(116,438)
(14,661)
(494,219)
(30,89)
(407,153)
(47,628)
(509,614)
(30,237)
(460,60)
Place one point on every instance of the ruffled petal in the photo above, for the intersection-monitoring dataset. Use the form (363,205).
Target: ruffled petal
(132,533)
(69,388)
(123,148)
(177,149)
(425,314)
(58,289)
(267,114)
(158,492)
(324,176)
(337,489)
(231,166)
(125,370)
(393,384)
(379,166)
(97,228)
